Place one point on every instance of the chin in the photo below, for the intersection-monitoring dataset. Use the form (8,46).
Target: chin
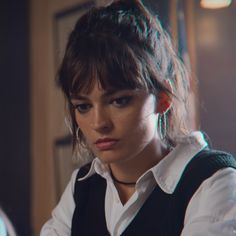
(109,157)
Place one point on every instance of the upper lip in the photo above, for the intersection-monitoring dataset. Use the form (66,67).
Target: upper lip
(102,140)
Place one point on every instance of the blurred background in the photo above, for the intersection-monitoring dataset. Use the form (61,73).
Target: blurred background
(35,147)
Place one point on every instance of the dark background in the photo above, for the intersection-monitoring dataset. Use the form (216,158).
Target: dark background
(15,113)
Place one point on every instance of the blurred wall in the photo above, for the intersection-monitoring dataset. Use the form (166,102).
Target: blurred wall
(14,113)
(47,104)
(215,35)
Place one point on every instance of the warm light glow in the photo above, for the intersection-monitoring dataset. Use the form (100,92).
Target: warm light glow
(214,4)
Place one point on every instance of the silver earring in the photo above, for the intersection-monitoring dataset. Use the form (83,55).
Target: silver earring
(162,126)
(68,124)
(77,133)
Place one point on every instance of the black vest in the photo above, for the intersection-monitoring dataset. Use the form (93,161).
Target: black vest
(162,214)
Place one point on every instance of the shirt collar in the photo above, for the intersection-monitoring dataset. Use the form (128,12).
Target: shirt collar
(97,167)
(169,170)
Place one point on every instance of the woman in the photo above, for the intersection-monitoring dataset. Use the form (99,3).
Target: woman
(148,174)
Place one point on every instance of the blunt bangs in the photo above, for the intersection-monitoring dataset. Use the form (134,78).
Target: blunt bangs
(105,60)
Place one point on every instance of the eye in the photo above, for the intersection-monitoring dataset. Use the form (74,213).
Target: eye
(82,108)
(121,101)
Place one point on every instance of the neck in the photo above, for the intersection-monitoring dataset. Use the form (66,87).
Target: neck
(130,170)
(121,182)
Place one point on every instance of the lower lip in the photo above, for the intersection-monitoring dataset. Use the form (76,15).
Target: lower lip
(106,145)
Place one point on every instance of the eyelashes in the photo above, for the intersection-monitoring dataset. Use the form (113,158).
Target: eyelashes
(119,102)
(82,108)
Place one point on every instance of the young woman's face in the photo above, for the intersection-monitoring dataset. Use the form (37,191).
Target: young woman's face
(117,125)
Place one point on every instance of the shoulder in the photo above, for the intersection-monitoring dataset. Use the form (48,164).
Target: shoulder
(60,221)
(222,168)
(212,208)
(202,166)
(208,161)
(212,155)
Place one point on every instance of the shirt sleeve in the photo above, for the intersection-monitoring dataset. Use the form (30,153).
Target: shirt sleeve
(212,209)
(60,222)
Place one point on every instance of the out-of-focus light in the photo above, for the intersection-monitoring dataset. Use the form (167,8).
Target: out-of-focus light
(215,4)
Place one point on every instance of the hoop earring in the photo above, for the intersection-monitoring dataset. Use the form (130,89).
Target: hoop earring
(68,124)
(77,134)
(162,125)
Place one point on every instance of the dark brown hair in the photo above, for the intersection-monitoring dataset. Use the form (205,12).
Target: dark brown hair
(124,46)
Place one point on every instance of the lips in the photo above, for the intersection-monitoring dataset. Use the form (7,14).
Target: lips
(106,143)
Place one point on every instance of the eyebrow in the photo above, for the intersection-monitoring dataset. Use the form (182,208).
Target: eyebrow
(107,93)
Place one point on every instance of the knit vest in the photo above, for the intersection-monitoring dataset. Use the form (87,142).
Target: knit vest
(162,214)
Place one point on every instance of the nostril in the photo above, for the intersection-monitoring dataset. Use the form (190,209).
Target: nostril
(102,127)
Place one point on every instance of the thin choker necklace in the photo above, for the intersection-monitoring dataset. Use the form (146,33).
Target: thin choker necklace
(120,182)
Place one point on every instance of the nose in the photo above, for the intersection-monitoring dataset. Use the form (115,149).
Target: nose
(101,121)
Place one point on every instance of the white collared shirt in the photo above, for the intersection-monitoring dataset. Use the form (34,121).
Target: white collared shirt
(210,212)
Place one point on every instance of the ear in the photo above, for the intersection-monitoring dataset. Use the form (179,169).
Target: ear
(164,100)
(163,103)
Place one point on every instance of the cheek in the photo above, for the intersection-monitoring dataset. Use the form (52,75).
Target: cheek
(147,127)
(139,134)
(138,126)
(141,117)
